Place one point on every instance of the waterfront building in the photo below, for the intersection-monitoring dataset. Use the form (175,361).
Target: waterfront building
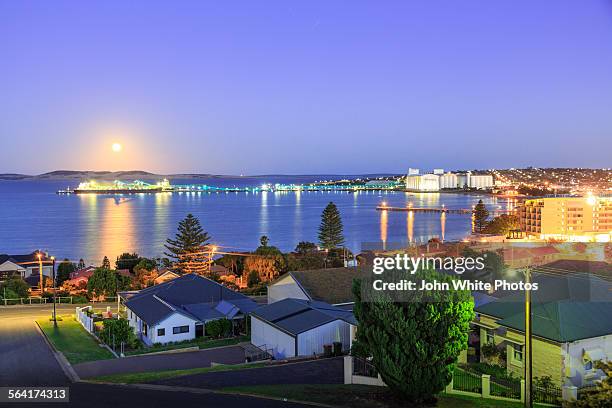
(449,180)
(481,181)
(463,180)
(438,171)
(424,182)
(413,172)
(567,218)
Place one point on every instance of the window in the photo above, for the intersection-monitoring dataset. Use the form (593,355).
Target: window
(180,329)
(490,336)
(161,332)
(518,352)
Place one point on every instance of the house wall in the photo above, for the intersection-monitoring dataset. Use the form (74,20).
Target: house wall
(174,320)
(264,335)
(547,356)
(8,266)
(312,341)
(574,361)
(47,271)
(285,287)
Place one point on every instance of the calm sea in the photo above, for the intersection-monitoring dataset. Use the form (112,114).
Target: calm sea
(92,226)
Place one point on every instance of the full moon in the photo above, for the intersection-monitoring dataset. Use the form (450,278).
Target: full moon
(116,147)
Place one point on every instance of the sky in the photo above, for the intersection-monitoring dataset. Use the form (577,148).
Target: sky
(304,87)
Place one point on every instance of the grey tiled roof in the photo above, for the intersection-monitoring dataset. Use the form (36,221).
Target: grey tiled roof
(191,295)
(296,316)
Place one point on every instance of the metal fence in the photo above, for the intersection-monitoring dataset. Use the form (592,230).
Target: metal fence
(503,387)
(363,367)
(465,381)
(549,394)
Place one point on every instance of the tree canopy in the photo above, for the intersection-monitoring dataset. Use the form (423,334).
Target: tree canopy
(187,246)
(105,282)
(331,229)
(64,269)
(481,215)
(414,344)
(127,261)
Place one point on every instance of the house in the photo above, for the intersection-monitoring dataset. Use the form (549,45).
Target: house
(26,265)
(333,285)
(177,310)
(9,269)
(297,327)
(81,276)
(571,327)
(165,275)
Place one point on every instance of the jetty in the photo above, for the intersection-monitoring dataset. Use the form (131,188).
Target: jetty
(426,209)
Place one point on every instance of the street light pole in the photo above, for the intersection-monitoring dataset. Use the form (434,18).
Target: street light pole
(528,360)
(54,294)
(40,271)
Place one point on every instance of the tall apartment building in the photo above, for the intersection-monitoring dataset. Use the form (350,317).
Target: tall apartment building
(568,218)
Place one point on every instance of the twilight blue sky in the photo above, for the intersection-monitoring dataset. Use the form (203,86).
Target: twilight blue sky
(309,86)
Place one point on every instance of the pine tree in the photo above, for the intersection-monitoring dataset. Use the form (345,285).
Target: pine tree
(480,215)
(106,263)
(187,247)
(330,230)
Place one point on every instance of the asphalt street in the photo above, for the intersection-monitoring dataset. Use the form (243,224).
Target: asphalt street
(26,360)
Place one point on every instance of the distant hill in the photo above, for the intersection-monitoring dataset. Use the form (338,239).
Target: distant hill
(76,175)
(83,175)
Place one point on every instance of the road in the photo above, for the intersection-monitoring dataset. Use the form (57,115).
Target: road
(160,362)
(26,360)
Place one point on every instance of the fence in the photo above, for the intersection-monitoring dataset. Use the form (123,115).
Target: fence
(36,300)
(364,368)
(361,371)
(83,318)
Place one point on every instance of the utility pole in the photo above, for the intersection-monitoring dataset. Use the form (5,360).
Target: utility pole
(528,360)
(40,270)
(54,294)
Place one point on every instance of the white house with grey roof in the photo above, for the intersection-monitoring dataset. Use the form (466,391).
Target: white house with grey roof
(297,327)
(179,309)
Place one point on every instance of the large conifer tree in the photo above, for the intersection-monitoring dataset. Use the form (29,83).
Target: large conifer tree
(330,230)
(187,247)
(481,215)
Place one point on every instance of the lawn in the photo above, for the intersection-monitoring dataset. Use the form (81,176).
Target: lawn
(71,339)
(360,396)
(202,343)
(139,378)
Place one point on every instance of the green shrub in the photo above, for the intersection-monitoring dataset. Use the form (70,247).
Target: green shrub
(118,330)
(218,328)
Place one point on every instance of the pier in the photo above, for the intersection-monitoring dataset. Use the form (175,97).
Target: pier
(164,186)
(426,210)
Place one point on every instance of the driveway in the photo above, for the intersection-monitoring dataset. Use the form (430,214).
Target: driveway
(326,371)
(160,362)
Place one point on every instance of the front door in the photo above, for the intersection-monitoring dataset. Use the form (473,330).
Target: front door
(199,330)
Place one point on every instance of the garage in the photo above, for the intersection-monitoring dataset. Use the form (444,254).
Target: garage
(296,327)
